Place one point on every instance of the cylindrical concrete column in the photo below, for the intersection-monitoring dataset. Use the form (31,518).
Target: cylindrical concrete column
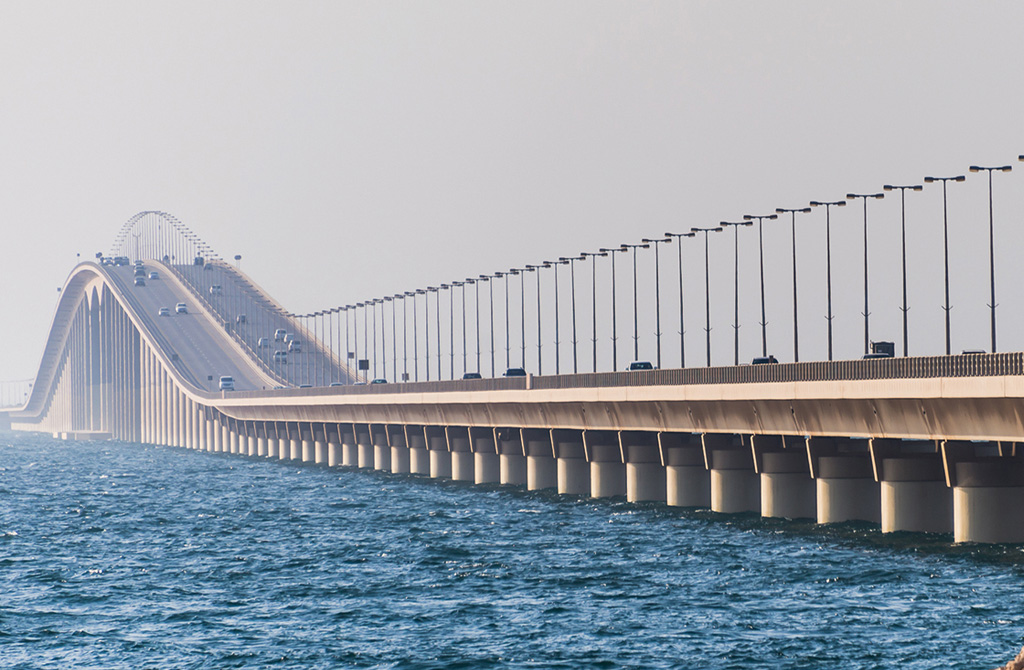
(735,487)
(349,453)
(400,460)
(486,468)
(607,473)
(461,456)
(251,445)
(440,458)
(787,490)
(308,453)
(381,456)
(295,450)
(646,479)
(512,469)
(333,454)
(687,481)
(846,490)
(914,496)
(419,458)
(272,447)
(541,473)
(319,452)
(987,502)
(261,446)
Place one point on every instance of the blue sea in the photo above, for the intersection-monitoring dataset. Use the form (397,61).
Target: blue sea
(117,555)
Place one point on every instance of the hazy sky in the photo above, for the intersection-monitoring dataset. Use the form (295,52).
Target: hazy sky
(350,150)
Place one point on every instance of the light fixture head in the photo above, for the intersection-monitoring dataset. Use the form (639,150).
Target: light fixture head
(960,178)
(974,168)
(929,180)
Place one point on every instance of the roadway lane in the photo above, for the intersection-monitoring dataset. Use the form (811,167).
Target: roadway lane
(202,347)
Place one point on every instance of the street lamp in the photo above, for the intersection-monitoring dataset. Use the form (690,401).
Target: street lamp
(796,336)
(991,242)
(657,294)
(522,310)
(405,334)
(760,245)
(462,285)
(572,280)
(490,288)
(903,237)
(554,265)
(828,259)
(593,297)
(636,332)
(540,359)
(451,330)
(945,243)
(736,284)
(615,320)
(682,322)
(476,310)
(707,286)
(437,316)
(508,344)
(867,313)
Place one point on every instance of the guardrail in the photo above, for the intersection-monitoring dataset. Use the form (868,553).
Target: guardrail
(921,367)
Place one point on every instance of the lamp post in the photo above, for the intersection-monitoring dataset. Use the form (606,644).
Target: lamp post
(490,304)
(476,310)
(508,347)
(657,294)
(451,330)
(536,268)
(462,284)
(593,297)
(760,246)
(903,237)
(735,225)
(437,322)
(394,334)
(615,321)
(355,331)
(572,280)
(405,334)
(867,313)
(796,334)
(522,311)
(991,242)
(945,243)
(682,330)
(416,337)
(828,259)
(707,286)
(636,331)
(558,364)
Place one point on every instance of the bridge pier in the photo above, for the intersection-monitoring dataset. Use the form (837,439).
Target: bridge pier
(787,490)
(844,481)
(399,450)
(735,487)
(319,444)
(365,447)
(349,451)
(486,469)
(381,448)
(261,439)
(646,477)
(687,480)
(571,463)
(914,495)
(607,472)
(460,454)
(988,486)
(440,457)
(541,467)
(511,460)
(306,439)
(419,455)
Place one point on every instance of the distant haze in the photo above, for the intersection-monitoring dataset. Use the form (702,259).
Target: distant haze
(354,150)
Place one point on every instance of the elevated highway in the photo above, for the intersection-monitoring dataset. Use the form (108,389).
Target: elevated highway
(919,444)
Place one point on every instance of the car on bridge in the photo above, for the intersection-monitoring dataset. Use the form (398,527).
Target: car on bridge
(279,335)
(164,311)
(216,289)
(281,357)
(140,281)
(227,383)
(153,274)
(294,347)
(240,318)
(181,308)
(263,342)
(764,360)
(140,272)
(640,365)
(379,380)
(515,372)
(472,375)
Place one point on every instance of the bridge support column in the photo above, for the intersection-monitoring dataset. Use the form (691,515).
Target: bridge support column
(308,444)
(486,469)
(541,466)
(349,450)
(573,469)
(365,447)
(735,487)
(218,435)
(987,491)
(914,495)
(607,472)
(319,452)
(646,478)
(461,455)
(381,448)
(787,490)
(511,460)
(419,456)
(440,457)
(399,450)
(687,480)
(844,481)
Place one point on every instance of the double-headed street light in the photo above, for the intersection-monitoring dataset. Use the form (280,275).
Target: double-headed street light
(657,294)
(736,284)
(828,260)
(796,336)
(572,280)
(760,244)
(593,298)
(508,343)
(945,243)
(682,323)
(991,242)
(636,330)
(522,310)
(903,238)
(554,265)
(615,321)
(867,313)
(490,303)
(707,286)
(462,285)
(540,339)
(451,330)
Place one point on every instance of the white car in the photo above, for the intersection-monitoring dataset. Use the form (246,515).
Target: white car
(227,383)
(164,311)
(215,289)
(181,308)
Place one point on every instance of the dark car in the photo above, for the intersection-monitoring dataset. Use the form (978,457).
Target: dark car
(379,380)
(764,360)
(472,375)
(515,372)
(640,365)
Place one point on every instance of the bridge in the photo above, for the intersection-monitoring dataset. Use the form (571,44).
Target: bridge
(923,444)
